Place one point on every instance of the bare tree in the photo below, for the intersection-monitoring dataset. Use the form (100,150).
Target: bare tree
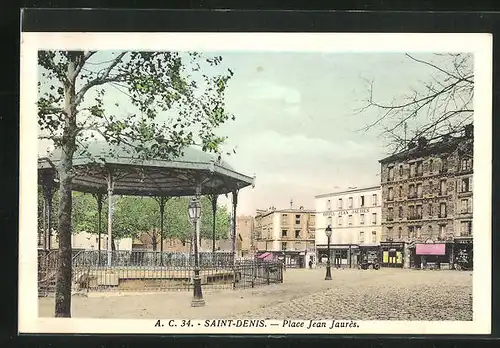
(443,103)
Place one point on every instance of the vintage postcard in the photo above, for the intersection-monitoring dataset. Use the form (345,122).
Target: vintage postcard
(255,183)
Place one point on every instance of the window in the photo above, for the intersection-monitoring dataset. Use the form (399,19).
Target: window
(391,174)
(361,237)
(374,218)
(466,164)
(330,221)
(411,191)
(466,228)
(442,210)
(297,234)
(419,211)
(340,203)
(339,220)
(389,233)
(411,232)
(431,187)
(391,194)
(431,166)
(400,212)
(361,219)
(419,231)
(350,202)
(400,233)
(349,220)
(442,231)
(411,212)
(283,246)
(284,233)
(429,231)
(374,237)
(464,206)
(297,219)
(431,212)
(328,205)
(374,200)
(362,201)
(284,219)
(419,191)
(442,187)
(464,185)
(412,170)
(400,170)
(400,191)
(390,214)
(419,168)
(444,165)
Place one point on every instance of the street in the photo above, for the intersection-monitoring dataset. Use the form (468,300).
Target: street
(386,294)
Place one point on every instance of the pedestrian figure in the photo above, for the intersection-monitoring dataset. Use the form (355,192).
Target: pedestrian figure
(310,264)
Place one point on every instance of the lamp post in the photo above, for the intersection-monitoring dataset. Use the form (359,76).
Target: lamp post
(194,211)
(328,232)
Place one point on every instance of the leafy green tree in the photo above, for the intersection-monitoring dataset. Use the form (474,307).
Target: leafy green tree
(180,102)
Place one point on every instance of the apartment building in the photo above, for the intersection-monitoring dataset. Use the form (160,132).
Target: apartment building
(355,218)
(427,201)
(286,233)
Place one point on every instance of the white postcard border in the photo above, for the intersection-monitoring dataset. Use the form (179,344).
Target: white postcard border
(478,44)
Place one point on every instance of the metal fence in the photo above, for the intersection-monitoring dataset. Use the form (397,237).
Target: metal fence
(155,271)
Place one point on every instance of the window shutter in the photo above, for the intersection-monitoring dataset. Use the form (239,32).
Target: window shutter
(470,184)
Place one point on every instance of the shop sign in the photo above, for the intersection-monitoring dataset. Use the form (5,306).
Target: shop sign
(430,249)
(346,212)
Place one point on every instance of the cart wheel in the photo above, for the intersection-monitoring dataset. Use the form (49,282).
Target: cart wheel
(376,266)
(458,267)
(370,266)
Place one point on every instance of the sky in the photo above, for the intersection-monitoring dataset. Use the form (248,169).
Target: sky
(297,128)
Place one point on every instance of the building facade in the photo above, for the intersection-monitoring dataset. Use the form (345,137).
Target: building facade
(427,202)
(355,218)
(287,233)
(245,234)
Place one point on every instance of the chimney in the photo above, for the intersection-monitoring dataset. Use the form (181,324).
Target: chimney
(469,130)
(291,203)
(422,142)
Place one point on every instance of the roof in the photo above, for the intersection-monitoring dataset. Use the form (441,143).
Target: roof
(353,190)
(139,177)
(285,211)
(438,147)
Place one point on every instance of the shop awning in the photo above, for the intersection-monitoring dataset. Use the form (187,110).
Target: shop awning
(430,249)
(265,257)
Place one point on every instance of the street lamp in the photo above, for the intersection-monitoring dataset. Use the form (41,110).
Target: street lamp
(194,212)
(328,232)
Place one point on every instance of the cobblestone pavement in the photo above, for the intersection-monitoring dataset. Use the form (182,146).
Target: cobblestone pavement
(386,294)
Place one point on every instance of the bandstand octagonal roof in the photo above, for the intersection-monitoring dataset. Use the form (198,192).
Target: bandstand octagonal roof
(153,177)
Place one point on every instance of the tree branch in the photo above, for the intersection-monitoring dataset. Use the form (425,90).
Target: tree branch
(100,80)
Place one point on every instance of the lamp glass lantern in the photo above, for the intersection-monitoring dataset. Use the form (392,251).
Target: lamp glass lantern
(328,231)
(194,209)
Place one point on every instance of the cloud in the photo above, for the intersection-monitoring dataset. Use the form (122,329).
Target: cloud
(266,90)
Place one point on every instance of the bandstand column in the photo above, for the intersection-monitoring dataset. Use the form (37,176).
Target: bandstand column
(99,198)
(233,232)
(110,215)
(213,199)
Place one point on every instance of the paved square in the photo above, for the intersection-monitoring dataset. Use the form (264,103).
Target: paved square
(386,294)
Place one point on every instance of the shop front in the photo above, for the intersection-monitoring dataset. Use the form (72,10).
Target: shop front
(463,253)
(341,255)
(432,255)
(392,254)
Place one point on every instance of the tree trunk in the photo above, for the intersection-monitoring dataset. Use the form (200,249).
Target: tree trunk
(63,284)
(67,146)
